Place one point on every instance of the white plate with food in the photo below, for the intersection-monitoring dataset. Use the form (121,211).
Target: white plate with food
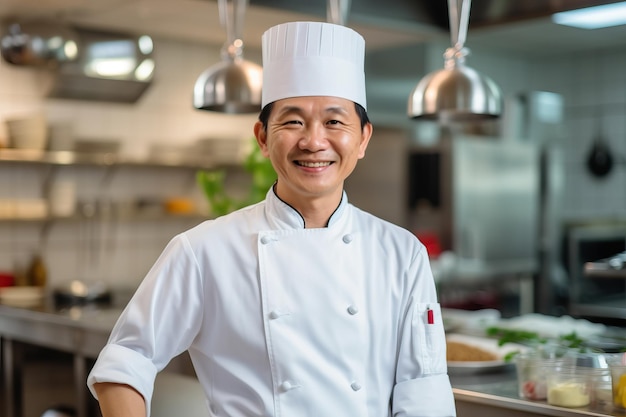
(475,355)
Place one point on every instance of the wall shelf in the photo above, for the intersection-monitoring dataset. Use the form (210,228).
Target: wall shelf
(126,217)
(33,156)
(119,211)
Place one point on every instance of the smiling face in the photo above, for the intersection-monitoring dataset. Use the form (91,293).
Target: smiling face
(314,144)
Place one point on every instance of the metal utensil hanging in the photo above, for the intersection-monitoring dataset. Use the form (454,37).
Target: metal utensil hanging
(234,84)
(457,92)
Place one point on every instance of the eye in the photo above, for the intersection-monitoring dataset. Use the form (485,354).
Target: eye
(333,122)
(293,122)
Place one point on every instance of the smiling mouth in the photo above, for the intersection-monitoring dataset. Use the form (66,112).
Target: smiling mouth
(313,164)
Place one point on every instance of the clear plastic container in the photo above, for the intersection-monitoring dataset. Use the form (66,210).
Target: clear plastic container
(595,365)
(533,369)
(600,389)
(569,388)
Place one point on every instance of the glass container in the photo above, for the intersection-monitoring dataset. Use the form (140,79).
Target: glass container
(569,388)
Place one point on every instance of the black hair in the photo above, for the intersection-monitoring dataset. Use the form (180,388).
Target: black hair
(264,116)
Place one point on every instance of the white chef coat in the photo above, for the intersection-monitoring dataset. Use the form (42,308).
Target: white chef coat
(284,321)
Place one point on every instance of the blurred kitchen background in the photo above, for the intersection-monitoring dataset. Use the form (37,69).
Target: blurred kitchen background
(512,212)
(509,208)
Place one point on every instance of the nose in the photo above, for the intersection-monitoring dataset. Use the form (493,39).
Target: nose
(313,138)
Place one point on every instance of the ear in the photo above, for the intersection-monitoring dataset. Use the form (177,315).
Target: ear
(261,138)
(366,134)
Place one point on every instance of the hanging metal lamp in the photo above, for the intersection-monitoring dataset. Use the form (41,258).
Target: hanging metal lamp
(457,92)
(234,84)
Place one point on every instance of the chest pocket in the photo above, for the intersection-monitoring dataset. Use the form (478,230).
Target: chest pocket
(428,331)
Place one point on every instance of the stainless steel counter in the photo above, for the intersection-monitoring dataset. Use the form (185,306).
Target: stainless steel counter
(496,394)
(83,331)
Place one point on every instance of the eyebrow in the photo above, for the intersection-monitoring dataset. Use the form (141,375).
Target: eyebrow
(289,110)
(299,110)
(337,109)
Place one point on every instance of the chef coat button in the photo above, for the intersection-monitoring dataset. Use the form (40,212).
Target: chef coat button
(347,238)
(288,385)
(353,310)
(355,386)
(265,240)
(274,314)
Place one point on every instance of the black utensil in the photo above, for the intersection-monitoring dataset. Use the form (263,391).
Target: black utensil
(600,158)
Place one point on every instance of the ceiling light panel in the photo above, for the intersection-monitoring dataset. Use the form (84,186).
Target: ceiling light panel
(593,17)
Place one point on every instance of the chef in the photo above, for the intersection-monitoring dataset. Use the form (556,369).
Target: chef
(302,304)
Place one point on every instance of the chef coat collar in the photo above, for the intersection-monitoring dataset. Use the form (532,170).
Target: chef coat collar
(287,217)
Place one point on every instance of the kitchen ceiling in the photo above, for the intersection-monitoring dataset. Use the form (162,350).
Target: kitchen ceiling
(516,26)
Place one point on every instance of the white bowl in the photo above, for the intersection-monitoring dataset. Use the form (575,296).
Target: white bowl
(28,133)
(28,296)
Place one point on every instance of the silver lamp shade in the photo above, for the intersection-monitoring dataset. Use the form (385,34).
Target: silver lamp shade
(234,84)
(229,87)
(457,92)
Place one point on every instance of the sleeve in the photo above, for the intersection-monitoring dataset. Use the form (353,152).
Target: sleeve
(160,322)
(422,387)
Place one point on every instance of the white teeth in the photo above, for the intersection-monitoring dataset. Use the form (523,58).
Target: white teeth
(314,164)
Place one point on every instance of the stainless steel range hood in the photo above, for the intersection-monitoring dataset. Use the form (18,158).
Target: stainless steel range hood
(86,64)
(110,67)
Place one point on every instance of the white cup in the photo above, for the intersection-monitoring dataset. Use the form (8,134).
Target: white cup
(62,198)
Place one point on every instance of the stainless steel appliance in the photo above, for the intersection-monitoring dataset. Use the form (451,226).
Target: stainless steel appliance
(537,117)
(596,290)
(480,197)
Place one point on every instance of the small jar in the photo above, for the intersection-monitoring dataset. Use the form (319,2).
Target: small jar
(618,378)
(600,387)
(569,388)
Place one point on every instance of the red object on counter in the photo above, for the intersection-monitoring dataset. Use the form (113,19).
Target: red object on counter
(6,280)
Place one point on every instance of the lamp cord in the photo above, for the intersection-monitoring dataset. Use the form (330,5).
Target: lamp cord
(337,11)
(458,26)
(232,14)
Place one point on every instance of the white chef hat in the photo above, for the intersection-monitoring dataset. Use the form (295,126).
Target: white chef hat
(313,59)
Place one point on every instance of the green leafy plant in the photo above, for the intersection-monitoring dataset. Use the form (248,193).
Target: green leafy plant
(212,183)
(263,174)
(514,336)
(523,337)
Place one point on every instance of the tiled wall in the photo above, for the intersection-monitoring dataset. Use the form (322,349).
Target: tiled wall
(593,86)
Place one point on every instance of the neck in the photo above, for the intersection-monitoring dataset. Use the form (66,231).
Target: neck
(315,211)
